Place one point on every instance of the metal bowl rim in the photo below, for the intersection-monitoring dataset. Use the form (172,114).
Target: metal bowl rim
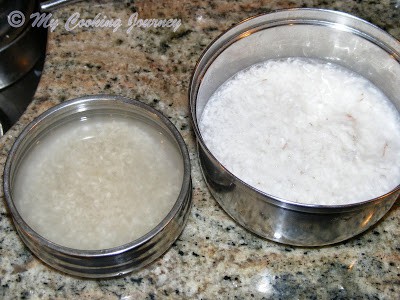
(101,98)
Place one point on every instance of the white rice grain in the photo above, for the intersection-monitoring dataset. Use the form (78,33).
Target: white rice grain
(305,131)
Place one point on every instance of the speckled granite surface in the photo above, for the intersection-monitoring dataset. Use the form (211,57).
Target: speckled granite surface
(214,258)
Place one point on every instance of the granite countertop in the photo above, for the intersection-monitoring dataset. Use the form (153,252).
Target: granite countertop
(214,257)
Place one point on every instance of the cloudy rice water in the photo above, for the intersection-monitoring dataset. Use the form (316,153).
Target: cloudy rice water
(99,183)
(305,131)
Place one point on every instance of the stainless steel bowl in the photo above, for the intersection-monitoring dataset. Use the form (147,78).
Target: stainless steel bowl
(108,262)
(312,33)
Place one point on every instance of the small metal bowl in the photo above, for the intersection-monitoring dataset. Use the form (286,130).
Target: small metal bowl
(118,260)
(312,33)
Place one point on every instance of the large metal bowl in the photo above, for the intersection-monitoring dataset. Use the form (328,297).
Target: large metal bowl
(313,33)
